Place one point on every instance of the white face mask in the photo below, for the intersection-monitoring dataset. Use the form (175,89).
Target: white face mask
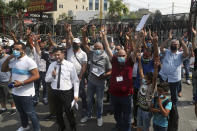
(63,44)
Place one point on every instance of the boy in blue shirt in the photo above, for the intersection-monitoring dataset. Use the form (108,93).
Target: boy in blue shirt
(160,113)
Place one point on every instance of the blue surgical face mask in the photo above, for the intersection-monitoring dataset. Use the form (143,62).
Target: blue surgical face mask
(97,52)
(115,51)
(16,53)
(161,96)
(121,59)
(185,39)
(149,45)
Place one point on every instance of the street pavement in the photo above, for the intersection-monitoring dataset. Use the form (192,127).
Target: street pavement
(187,121)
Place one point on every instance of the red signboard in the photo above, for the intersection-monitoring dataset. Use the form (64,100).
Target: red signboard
(42,6)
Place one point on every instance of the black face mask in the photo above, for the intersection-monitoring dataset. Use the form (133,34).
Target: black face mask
(76,46)
(173,48)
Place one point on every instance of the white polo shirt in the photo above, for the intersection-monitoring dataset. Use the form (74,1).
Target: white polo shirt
(20,69)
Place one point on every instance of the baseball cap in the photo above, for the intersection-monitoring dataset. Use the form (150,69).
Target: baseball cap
(76,40)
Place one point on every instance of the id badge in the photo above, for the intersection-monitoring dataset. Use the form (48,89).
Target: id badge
(95,69)
(119,78)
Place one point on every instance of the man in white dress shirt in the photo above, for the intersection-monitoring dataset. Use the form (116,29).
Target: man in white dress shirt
(63,77)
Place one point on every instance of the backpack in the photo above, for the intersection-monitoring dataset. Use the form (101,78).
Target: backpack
(173,116)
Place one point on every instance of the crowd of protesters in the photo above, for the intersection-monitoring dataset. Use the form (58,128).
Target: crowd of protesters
(136,71)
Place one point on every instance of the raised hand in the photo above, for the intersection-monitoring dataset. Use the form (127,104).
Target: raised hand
(93,28)
(103,31)
(67,27)
(49,34)
(155,37)
(28,31)
(193,31)
(84,30)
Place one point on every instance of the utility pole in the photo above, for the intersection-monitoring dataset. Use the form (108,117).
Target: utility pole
(172,8)
(101,11)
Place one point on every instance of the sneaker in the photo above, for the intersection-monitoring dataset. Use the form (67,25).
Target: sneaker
(12,112)
(99,122)
(188,82)
(84,119)
(3,111)
(45,101)
(50,117)
(23,129)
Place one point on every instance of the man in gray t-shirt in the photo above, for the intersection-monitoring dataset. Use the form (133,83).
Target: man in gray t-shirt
(100,69)
(4,91)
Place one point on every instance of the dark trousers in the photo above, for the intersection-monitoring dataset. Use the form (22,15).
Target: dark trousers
(50,99)
(186,64)
(159,128)
(38,85)
(24,105)
(135,106)
(174,90)
(82,94)
(62,103)
(122,112)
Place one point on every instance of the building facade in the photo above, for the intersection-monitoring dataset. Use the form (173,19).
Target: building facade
(79,9)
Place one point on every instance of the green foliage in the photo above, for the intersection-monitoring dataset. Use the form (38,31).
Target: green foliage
(18,4)
(63,16)
(117,9)
(11,8)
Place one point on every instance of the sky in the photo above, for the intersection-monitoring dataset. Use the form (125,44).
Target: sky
(165,6)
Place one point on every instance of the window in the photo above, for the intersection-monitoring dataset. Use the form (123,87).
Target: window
(76,6)
(96,4)
(84,0)
(60,6)
(90,4)
(105,5)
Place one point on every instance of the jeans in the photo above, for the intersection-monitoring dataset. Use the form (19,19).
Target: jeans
(24,105)
(38,84)
(99,90)
(174,90)
(159,128)
(122,112)
(82,94)
(186,64)
(143,119)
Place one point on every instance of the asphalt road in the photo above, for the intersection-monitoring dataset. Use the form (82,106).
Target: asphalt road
(187,122)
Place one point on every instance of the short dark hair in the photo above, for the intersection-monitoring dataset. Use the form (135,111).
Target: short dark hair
(58,49)
(149,49)
(20,43)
